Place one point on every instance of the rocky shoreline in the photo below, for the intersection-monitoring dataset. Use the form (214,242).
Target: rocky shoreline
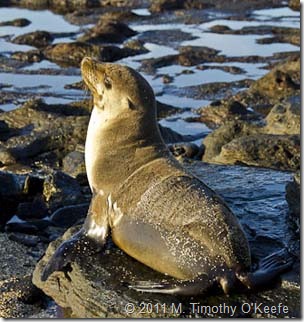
(43,186)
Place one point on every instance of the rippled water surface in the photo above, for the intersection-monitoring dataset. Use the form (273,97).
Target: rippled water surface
(256,196)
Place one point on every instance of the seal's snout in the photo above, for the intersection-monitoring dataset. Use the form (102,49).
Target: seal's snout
(86,63)
(88,71)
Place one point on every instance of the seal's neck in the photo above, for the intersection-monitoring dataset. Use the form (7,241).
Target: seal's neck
(115,148)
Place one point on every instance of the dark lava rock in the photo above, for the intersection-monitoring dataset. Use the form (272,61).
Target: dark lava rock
(293,197)
(188,56)
(186,150)
(219,112)
(36,209)
(69,215)
(96,287)
(217,139)
(151,64)
(73,164)
(166,5)
(165,37)
(41,129)
(23,147)
(38,39)
(228,69)
(71,5)
(74,109)
(220,29)
(4,129)
(280,34)
(60,6)
(165,110)
(33,185)
(117,14)
(92,16)
(283,35)
(77,85)
(22,227)
(24,289)
(10,184)
(17,265)
(193,55)
(274,145)
(136,45)
(280,83)
(162,5)
(31,56)
(71,54)
(263,150)
(294,5)
(167,79)
(60,189)
(41,224)
(10,65)
(107,31)
(6,158)
(11,193)
(24,239)
(19,22)
(285,117)
(218,90)
(170,136)
(64,6)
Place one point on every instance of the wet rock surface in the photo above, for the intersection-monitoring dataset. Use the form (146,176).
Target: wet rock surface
(108,31)
(30,56)
(96,287)
(38,39)
(295,5)
(281,82)
(267,134)
(223,135)
(19,297)
(284,118)
(71,54)
(293,197)
(271,151)
(19,22)
(220,112)
(39,130)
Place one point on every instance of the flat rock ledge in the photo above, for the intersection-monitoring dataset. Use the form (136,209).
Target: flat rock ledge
(96,287)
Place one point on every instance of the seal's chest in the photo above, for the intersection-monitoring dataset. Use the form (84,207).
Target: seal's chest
(93,144)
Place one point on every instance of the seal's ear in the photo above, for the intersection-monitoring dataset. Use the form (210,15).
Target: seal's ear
(131,104)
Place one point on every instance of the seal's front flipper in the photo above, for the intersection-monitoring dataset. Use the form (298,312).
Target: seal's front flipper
(68,251)
(89,240)
(192,287)
(269,269)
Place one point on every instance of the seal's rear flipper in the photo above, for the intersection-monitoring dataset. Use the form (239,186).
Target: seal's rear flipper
(191,287)
(68,251)
(269,269)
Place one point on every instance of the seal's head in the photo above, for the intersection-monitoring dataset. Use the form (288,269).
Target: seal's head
(118,88)
(122,126)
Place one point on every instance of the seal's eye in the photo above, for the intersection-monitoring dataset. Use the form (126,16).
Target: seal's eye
(107,82)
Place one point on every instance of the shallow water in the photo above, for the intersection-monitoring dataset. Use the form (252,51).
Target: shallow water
(229,45)
(40,20)
(256,196)
(238,45)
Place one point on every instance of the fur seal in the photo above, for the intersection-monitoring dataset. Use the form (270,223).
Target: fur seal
(157,212)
